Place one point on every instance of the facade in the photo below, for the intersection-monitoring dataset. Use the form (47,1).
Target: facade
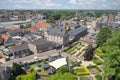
(75,35)
(40,45)
(58,35)
(20,50)
(5,73)
(112,22)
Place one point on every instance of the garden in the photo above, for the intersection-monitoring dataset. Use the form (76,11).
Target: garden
(77,49)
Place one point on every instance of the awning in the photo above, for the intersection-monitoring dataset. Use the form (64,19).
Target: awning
(58,63)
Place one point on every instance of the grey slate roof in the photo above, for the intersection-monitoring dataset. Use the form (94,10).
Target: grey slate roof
(77,31)
(3,30)
(74,25)
(19,47)
(15,32)
(42,42)
(57,31)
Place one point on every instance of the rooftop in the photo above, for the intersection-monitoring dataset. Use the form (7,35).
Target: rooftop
(5,37)
(73,25)
(41,42)
(58,31)
(19,47)
(33,29)
(77,31)
(42,24)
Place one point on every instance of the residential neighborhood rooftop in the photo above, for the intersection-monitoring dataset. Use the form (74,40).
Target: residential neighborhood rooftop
(77,31)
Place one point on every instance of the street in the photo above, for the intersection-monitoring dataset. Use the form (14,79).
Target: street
(30,58)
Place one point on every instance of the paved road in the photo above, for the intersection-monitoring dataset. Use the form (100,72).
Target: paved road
(74,58)
(43,55)
(30,58)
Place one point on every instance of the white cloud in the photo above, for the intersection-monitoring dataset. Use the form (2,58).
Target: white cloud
(73,1)
(52,4)
(59,4)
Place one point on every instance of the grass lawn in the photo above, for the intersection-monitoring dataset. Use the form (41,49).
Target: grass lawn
(99,52)
(79,70)
(97,61)
(41,72)
(74,48)
(86,78)
(98,77)
(94,69)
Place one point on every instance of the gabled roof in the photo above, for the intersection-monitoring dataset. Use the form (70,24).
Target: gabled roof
(77,31)
(33,29)
(15,31)
(42,42)
(42,24)
(21,47)
(57,31)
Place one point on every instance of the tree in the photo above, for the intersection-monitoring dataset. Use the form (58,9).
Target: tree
(103,35)
(16,69)
(111,48)
(64,76)
(27,26)
(31,76)
(89,53)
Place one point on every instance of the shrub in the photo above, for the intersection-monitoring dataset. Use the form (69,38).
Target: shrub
(31,70)
(97,61)
(99,52)
(77,64)
(30,63)
(83,78)
(98,77)
(83,73)
(7,59)
(94,66)
(91,66)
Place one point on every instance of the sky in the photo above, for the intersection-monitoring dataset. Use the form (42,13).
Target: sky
(60,4)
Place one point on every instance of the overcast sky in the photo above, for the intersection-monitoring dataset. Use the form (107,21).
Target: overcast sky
(60,4)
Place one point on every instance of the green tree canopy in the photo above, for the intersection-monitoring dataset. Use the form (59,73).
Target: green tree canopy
(64,76)
(31,76)
(27,26)
(89,53)
(103,35)
(112,57)
(16,69)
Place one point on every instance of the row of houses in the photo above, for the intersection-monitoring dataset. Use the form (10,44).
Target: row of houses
(26,49)
(20,43)
(111,21)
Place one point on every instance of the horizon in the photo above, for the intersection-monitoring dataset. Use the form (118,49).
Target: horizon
(59,5)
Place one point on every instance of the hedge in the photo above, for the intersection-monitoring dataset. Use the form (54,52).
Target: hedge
(97,61)
(99,52)
(83,78)
(98,77)
(83,73)
(94,66)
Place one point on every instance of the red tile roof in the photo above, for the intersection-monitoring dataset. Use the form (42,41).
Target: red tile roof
(42,24)
(5,37)
(33,29)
